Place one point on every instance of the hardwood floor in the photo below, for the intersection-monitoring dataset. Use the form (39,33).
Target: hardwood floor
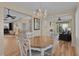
(12,49)
(64,49)
(11,46)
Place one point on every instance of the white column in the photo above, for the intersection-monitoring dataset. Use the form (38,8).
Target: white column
(77,30)
(73,30)
(1,32)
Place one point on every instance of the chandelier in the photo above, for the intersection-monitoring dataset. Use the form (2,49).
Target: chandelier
(40,13)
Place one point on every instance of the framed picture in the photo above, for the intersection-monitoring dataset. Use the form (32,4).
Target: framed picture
(36,24)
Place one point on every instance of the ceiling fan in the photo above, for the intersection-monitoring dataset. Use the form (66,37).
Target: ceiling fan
(10,16)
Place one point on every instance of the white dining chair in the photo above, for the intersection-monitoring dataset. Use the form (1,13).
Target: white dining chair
(24,43)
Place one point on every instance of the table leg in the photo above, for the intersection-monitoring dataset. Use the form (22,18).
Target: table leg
(42,52)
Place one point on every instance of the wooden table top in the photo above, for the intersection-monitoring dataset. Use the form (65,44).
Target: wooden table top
(41,41)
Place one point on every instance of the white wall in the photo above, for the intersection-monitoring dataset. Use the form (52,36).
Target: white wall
(77,30)
(36,32)
(45,27)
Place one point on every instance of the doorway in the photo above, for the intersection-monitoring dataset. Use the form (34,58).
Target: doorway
(8,27)
(64,31)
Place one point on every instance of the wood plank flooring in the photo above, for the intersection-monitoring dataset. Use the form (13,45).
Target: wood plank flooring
(12,49)
(11,46)
(64,49)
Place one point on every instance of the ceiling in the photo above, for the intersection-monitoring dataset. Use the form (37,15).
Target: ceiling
(51,7)
(14,13)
